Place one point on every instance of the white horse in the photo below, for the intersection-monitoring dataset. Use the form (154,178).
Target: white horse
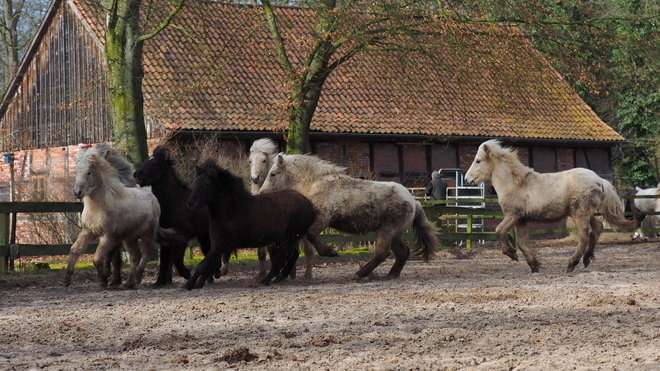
(262,155)
(356,206)
(113,212)
(527,196)
(644,205)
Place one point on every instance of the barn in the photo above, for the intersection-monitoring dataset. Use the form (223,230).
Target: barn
(385,115)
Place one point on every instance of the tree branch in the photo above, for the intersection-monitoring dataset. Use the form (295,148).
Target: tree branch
(165,22)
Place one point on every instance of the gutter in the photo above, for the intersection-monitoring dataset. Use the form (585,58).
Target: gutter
(400,138)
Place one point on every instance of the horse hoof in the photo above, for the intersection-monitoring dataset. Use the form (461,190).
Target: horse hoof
(570,268)
(512,254)
(265,282)
(356,278)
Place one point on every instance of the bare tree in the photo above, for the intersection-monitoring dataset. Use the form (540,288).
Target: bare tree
(343,29)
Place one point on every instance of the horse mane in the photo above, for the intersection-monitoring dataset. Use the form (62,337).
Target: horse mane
(124,168)
(509,157)
(235,184)
(265,145)
(113,182)
(311,167)
(164,152)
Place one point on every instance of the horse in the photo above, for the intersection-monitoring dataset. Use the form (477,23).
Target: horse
(642,205)
(172,192)
(113,212)
(356,206)
(527,196)
(240,219)
(262,155)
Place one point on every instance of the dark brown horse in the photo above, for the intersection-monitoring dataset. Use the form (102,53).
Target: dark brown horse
(239,220)
(172,193)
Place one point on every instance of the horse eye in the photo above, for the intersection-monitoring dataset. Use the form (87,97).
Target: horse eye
(89,173)
(263,161)
(478,161)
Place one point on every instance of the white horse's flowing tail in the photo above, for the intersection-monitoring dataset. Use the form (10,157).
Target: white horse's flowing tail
(426,240)
(612,209)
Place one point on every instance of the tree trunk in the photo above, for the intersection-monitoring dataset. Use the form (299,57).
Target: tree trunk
(123,48)
(11,14)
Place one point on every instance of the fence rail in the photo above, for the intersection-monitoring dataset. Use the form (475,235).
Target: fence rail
(13,251)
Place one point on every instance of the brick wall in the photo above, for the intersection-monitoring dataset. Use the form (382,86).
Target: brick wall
(565,159)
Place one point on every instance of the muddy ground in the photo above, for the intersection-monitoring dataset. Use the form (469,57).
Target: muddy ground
(465,310)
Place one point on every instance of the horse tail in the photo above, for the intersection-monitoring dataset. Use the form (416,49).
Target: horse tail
(612,209)
(170,236)
(426,240)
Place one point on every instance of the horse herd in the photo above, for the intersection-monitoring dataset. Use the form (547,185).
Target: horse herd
(293,198)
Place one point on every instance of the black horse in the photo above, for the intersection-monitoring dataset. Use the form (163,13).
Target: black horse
(172,193)
(240,219)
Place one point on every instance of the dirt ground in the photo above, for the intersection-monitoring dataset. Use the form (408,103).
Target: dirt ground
(465,310)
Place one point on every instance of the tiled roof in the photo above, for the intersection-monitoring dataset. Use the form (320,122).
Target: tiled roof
(223,74)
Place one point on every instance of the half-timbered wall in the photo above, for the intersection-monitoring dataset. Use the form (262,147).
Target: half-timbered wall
(63,97)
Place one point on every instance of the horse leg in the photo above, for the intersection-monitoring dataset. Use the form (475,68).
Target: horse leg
(261,253)
(502,231)
(277,252)
(116,264)
(205,245)
(582,225)
(165,267)
(136,256)
(102,259)
(148,242)
(224,268)
(205,269)
(596,230)
(178,254)
(312,235)
(308,250)
(84,239)
(290,255)
(383,249)
(522,242)
(401,253)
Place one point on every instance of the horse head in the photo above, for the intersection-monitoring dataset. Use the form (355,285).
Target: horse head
(215,184)
(278,177)
(481,169)
(154,169)
(88,177)
(259,165)
(261,158)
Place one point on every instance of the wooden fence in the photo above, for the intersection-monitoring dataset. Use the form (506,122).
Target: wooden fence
(13,250)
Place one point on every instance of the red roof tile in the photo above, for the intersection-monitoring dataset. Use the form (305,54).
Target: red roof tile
(478,84)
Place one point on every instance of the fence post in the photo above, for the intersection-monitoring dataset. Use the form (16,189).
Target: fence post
(4,240)
(468,243)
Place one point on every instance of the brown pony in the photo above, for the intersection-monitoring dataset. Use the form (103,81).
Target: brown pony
(172,192)
(240,219)
(262,156)
(527,196)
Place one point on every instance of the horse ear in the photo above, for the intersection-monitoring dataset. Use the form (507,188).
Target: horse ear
(197,169)
(486,148)
(280,160)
